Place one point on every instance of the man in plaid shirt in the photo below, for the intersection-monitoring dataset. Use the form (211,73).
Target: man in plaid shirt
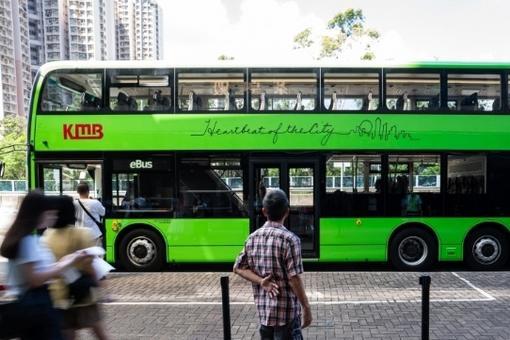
(271,260)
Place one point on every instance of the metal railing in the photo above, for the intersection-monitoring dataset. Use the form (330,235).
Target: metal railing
(235,183)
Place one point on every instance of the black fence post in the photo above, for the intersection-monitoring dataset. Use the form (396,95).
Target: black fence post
(425,300)
(226,308)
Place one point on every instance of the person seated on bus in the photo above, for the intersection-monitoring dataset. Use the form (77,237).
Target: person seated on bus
(133,105)
(496,104)
(122,102)
(411,204)
(333,105)
(90,102)
(470,103)
(132,201)
(158,102)
(299,104)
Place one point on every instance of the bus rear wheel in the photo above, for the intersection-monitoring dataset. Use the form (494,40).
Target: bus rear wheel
(486,249)
(142,250)
(412,249)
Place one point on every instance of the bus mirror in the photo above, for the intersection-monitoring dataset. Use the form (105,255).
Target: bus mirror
(2,168)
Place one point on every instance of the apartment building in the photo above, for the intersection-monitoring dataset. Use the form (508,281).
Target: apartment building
(138,29)
(15,78)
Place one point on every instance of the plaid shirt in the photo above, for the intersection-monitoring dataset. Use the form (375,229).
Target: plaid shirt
(274,250)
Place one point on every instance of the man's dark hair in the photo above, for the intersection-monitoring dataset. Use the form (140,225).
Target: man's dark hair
(276,203)
(83,188)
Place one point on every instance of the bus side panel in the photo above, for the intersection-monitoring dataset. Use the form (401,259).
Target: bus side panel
(353,239)
(451,233)
(366,239)
(189,240)
(206,240)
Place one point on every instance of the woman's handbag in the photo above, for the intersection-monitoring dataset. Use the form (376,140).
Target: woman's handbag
(81,288)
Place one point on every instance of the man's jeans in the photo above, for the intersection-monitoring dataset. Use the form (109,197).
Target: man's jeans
(291,331)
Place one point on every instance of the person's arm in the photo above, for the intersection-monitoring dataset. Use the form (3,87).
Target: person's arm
(294,267)
(265,282)
(296,284)
(242,269)
(38,278)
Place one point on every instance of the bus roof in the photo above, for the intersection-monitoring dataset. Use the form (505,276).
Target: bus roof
(130,64)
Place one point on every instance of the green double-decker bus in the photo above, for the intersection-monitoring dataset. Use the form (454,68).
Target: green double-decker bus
(401,163)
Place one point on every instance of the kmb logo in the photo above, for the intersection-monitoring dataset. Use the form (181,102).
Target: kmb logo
(83,131)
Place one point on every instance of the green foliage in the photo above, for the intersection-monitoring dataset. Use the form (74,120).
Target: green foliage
(330,46)
(225,57)
(345,29)
(303,39)
(13,132)
(369,55)
(347,21)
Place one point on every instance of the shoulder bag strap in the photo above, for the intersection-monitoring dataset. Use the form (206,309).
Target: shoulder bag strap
(89,214)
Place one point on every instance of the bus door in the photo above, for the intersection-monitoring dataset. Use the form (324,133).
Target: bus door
(299,180)
(62,177)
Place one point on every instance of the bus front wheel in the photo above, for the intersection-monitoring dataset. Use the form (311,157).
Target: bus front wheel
(412,249)
(142,250)
(486,249)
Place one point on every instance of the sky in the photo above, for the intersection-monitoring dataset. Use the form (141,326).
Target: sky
(262,31)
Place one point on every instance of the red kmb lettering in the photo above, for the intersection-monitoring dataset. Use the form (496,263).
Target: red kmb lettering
(97,130)
(67,131)
(83,131)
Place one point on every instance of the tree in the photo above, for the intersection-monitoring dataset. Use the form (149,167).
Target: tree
(12,147)
(225,57)
(344,30)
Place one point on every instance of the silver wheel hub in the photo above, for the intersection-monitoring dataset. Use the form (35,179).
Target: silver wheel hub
(141,251)
(413,251)
(486,249)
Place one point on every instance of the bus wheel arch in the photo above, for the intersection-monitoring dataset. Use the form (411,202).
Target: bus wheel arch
(486,246)
(141,247)
(413,246)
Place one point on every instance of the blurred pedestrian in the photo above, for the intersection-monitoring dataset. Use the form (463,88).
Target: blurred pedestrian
(78,312)
(89,212)
(30,267)
(271,260)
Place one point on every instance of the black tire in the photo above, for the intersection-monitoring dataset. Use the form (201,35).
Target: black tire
(142,250)
(486,249)
(413,249)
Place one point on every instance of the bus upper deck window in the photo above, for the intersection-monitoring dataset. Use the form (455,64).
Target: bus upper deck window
(211,90)
(283,90)
(474,92)
(346,91)
(406,91)
(67,91)
(149,91)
